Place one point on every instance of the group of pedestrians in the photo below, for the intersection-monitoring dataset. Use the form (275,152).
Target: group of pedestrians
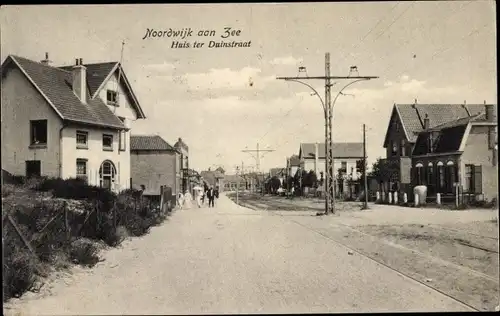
(185,201)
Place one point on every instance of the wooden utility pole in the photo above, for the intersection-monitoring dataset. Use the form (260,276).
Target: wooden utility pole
(365,179)
(258,151)
(328,114)
(237,185)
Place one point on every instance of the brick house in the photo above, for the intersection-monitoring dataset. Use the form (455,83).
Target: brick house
(67,122)
(154,163)
(405,124)
(186,180)
(462,152)
(346,155)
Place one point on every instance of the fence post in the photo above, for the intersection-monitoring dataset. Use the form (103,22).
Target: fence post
(438,198)
(162,199)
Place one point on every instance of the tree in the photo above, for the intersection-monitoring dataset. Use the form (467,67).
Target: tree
(311,179)
(275,184)
(360,166)
(385,170)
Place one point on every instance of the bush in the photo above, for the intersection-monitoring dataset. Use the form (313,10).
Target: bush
(19,273)
(83,251)
(7,189)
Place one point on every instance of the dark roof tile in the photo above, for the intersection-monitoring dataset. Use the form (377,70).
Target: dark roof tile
(149,142)
(340,150)
(412,115)
(56,85)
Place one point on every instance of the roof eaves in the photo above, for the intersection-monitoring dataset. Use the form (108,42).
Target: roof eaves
(129,87)
(402,124)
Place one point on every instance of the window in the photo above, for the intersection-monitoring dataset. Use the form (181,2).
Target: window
(33,168)
(107,142)
(440,171)
(402,148)
(82,139)
(107,173)
(112,97)
(81,168)
(451,176)
(38,133)
(343,167)
(469,178)
(418,170)
(394,148)
(491,137)
(123,136)
(430,174)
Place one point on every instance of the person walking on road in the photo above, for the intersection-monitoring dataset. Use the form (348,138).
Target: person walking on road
(216,193)
(199,197)
(180,200)
(211,197)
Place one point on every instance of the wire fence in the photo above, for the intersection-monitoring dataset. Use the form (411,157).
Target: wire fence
(36,233)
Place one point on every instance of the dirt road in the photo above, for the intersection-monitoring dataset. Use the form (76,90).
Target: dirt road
(234,260)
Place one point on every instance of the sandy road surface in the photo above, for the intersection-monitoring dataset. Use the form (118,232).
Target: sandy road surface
(233,260)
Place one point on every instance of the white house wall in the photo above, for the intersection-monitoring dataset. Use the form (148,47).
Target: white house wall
(95,156)
(21,102)
(309,164)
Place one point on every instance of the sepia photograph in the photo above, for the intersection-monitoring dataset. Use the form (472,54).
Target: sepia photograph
(249,158)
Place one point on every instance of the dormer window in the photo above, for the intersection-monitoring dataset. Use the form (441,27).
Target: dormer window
(112,97)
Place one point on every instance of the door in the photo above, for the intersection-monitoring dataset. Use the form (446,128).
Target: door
(33,168)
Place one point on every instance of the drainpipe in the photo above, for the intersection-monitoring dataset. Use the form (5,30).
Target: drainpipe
(61,149)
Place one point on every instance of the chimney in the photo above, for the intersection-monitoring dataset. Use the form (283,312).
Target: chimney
(489,109)
(80,80)
(46,61)
(426,122)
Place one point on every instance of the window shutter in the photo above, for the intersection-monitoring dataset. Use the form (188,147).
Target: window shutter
(478,180)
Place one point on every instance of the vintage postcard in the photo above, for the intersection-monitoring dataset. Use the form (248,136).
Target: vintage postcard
(219,158)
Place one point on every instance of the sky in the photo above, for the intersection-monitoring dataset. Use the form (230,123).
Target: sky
(221,101)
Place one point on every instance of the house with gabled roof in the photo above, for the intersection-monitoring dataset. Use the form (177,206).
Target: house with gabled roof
(459,155)
(213,178)
(154,163)
(312,157)
(71,121)
(405,124)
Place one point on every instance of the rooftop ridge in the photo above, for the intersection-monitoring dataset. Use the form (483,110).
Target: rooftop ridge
(41,64)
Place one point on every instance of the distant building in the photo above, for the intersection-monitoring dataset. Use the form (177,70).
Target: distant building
(154,163)
(181,147)
(312,157)
(292,165)
(214,178)
(235,182)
